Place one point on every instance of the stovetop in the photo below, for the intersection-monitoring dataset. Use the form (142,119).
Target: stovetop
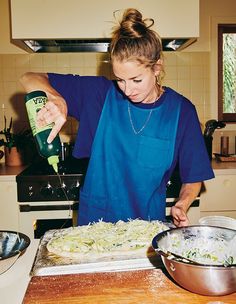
(71,166)
(39,182)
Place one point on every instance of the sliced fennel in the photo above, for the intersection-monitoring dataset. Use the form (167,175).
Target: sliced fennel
(204,250)
(103,237)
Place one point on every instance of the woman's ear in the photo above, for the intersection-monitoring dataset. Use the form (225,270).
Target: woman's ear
(158,67)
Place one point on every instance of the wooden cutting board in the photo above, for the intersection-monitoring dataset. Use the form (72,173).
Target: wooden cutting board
(141,286)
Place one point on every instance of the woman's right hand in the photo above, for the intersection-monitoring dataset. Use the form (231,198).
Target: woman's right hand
(55,110)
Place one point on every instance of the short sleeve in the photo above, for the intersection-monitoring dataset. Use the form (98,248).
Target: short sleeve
(193,159)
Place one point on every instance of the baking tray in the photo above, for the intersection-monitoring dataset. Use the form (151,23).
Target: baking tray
(46,263)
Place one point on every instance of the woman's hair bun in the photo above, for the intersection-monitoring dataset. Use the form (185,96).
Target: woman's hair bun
(132,15)
(132,24)
(132,39)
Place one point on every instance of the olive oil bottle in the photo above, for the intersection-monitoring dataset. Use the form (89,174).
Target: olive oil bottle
(34,102)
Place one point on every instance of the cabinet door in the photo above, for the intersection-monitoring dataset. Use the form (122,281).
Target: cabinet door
(8,206)
(220,194)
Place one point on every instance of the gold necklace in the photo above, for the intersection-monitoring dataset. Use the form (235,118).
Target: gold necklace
(145,123)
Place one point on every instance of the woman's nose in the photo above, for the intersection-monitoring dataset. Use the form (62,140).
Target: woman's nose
(128,89)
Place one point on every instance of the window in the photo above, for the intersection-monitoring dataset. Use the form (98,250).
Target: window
(227,72)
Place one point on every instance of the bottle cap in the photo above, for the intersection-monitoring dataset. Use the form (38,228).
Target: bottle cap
(53,161)
(34,94)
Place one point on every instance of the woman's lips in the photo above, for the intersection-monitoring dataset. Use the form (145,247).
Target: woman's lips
(133,97)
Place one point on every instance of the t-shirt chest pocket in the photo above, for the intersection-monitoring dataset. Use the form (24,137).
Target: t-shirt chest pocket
(154,152)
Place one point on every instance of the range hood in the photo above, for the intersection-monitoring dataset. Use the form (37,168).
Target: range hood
(93,45)
(84,26)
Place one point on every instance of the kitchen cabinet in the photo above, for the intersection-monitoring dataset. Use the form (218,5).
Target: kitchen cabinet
(13,282)
(9,210)
(219,197)
(6,47)
(8,203)
(72,24)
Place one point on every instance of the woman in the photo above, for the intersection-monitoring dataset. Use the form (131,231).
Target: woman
(134,130)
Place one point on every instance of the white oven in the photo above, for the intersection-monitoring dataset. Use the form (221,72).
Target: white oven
(35,218)
(46,200)
(49,202)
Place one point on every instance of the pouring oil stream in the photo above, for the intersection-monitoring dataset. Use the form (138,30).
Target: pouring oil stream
(67,198)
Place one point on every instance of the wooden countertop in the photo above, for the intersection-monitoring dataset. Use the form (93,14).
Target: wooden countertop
(227,167)
(10,170)
(218,167)
(141,286)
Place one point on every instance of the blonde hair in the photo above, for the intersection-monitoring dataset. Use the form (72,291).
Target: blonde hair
(132,39)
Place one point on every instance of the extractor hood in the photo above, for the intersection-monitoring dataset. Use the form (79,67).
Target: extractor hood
(92,45)
(85,26)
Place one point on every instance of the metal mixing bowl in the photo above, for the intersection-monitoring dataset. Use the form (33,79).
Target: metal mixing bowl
(12,245)
(207,279)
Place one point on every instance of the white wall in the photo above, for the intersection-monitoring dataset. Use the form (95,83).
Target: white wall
(209,10)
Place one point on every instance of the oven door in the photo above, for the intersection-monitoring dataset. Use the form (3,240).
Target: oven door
(35,218)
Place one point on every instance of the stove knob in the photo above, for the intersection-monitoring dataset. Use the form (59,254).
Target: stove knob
(30,191)
(73,192)
(61,192)
(47,190)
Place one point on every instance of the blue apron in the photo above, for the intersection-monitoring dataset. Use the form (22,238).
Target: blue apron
(125,176)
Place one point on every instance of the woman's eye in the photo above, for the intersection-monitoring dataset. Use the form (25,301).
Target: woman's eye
(137,80)
(120,81)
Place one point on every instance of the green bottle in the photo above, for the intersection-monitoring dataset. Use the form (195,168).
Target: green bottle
(34,102)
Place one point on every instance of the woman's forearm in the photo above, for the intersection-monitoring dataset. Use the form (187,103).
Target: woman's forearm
(35,81)
(187,195)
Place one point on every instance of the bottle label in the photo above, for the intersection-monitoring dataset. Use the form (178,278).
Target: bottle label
(33,106)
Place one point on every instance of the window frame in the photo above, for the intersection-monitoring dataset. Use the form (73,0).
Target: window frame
(222,29)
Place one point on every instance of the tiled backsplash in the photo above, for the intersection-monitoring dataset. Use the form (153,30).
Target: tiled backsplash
(186,72)
(13,66)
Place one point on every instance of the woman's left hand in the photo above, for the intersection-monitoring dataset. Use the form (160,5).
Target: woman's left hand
(179,216)
(187,195)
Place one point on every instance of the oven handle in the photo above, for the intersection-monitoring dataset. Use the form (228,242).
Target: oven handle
(29,208)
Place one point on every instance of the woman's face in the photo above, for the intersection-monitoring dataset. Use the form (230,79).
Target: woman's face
(136,81)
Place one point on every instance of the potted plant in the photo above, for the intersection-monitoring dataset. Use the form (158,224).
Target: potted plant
(14,144)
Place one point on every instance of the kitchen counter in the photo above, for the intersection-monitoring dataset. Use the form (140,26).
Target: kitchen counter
(218,167)
(223,167)
(141,286)
(10,170)
(13,283)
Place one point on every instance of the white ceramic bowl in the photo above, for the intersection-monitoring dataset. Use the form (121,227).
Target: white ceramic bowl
(12,245)
(219,221)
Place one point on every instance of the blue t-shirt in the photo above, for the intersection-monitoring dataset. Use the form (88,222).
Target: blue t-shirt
(85,97)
